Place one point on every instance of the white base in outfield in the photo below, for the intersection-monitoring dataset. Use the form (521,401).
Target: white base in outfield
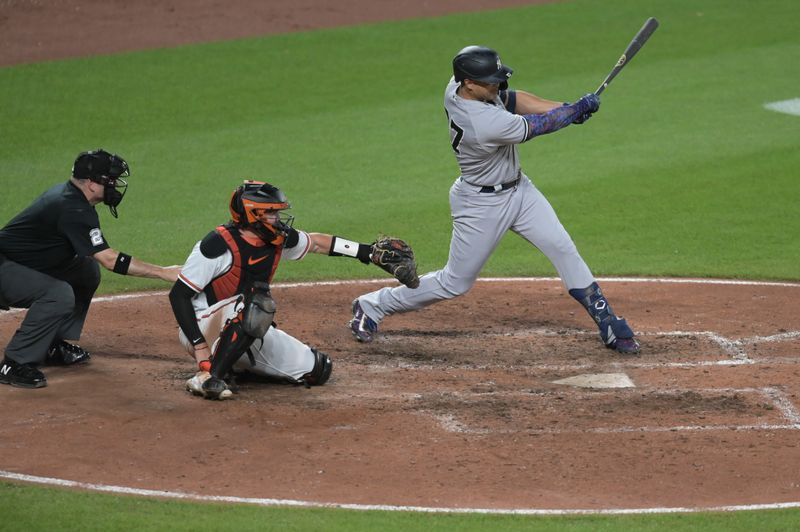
(598,380)
(789,107)
(609,380)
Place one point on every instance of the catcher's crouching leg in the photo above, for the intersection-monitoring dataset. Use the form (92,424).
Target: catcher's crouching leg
(252,322)
(321,371)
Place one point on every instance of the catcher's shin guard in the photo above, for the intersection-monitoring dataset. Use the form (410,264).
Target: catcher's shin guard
(614,331)
(321,371)
(233,343)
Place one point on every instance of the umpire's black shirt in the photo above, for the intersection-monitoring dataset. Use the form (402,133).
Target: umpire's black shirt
(57,226)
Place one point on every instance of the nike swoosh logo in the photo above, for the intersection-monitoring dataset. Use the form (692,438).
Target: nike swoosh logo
(250,260)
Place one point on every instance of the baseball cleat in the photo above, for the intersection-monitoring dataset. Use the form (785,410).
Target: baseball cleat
(62,353)
(362,326)
(626,346)
(195,384)
(215,388)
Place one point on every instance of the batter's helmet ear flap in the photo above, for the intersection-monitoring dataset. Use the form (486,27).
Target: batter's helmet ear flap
(482,64)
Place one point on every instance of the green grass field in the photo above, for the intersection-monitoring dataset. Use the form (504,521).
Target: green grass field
(681,173)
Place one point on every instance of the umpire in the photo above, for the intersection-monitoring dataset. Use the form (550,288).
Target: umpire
(49,255)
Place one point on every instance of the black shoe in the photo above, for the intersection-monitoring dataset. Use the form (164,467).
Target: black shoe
(62,353)
(22,375)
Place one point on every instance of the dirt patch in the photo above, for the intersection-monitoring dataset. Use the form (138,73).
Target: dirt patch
(39,30)
(452,406)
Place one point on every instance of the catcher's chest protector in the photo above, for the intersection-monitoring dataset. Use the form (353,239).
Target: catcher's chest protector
(250,263)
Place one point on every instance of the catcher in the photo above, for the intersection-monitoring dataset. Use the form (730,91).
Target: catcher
(222,300)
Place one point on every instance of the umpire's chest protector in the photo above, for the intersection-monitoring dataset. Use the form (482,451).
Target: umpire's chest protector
(250,263)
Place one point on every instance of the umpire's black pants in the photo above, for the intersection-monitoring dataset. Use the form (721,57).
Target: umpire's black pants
(57,301)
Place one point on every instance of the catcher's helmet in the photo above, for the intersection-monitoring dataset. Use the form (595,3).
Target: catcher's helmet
(106,169)
(482,64)
(253,196)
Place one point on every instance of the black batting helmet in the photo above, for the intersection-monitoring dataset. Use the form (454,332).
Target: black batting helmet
(253,196)
(479,63)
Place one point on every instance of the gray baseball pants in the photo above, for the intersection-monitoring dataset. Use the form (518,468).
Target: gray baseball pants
(479,222)
(57,304)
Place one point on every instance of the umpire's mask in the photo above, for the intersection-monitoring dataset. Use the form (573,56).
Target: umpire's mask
(106,169)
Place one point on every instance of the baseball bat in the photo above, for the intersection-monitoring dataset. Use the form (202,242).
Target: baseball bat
(636,44)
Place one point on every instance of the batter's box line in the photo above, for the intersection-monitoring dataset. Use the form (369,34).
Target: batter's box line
(733,348)
(533,369)
(449,422)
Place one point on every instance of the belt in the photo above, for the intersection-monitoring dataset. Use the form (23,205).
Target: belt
(488,189)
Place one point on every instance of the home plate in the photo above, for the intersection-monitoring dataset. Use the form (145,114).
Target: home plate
(598,380)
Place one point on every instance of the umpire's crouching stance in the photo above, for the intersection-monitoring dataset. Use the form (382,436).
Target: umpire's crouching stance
(49,255)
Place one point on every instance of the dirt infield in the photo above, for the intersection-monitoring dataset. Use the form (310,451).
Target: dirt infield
(454,406)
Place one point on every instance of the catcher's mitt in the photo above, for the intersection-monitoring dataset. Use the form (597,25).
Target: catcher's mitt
(397,258)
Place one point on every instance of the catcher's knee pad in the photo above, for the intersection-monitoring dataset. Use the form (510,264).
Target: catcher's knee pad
(259,310)
(321,371)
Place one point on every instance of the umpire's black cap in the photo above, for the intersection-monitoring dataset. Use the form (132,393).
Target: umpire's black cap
(479,63)
(98,164)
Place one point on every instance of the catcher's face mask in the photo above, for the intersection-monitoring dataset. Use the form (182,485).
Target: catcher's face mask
(254,206)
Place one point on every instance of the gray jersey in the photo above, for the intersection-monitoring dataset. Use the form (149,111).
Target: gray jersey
(484,137)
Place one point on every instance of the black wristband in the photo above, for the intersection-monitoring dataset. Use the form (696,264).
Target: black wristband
(364,253)
(197,341)
(122,264)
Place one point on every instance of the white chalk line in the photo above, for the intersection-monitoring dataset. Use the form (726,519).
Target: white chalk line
(123,490)
(783,403)
(519,511)
(735,349)
(311,284)
(533,368)
(449,422)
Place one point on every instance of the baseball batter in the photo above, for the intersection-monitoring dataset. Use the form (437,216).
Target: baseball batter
(222,300)
(492,196)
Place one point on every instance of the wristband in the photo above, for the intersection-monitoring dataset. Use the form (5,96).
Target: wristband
(341,247)
(122,264)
